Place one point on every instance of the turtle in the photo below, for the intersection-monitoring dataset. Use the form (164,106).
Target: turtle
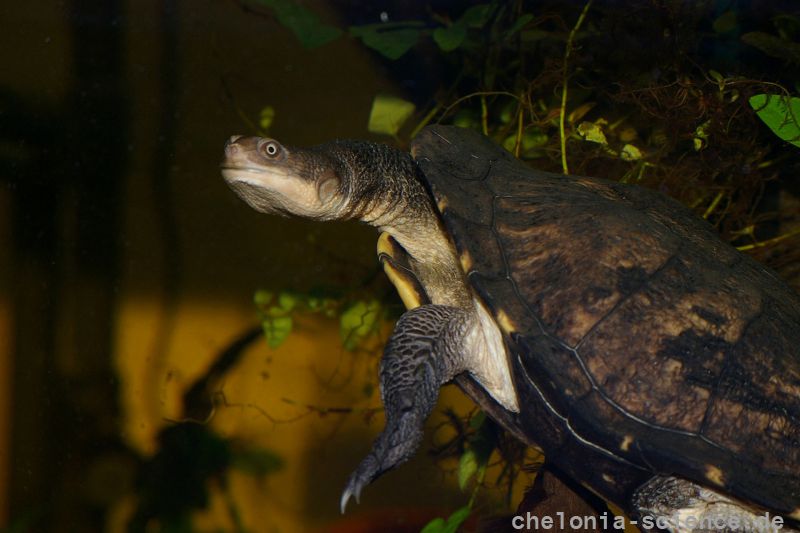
(602,322)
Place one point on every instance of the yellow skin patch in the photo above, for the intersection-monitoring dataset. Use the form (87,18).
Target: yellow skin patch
(795,514)
(626,443)
(608,479)
(505,323)
(466,262)
(404,287)
(714,475)
(405,290)
(385,244)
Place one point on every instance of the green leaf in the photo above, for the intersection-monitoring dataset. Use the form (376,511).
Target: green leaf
(276,329)
(451,37)
(531,139)
(358,321)
(388,114)
(483,443)
(262,298)
(467,118)
(700,139)
(479,449)
(519,24)
(439,525)
(726,22)
(773,46)
(476,16)
(592,132)
(456,519)
(287,301)
(467,467)
(630,153)
(780,113)
(305,24)
(477,420)
(436,525)
(266,117)
(390,40)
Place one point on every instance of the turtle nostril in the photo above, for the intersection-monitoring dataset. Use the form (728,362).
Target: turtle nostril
(231,145)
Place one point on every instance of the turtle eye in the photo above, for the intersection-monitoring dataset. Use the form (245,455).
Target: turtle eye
(271,149)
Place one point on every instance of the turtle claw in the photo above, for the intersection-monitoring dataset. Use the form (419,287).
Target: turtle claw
(398,442)
(369,469)
(349,491)
(363,476)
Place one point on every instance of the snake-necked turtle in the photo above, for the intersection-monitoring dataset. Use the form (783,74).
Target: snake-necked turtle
(604,322)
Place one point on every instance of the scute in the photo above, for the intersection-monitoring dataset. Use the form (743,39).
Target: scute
(641,339)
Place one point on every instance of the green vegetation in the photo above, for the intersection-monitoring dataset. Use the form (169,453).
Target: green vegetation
(780,113)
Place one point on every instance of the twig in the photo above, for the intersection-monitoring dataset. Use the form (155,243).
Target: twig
(473,95)
(520,124)
(484,116)
(768,242)
(570,39)
(424,122)
(714,204)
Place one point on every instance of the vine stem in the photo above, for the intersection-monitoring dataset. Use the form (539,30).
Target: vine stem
(714,204)
(424,122)
(563,113)
(768,242)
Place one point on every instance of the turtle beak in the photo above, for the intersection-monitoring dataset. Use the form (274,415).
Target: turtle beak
(244,160)
(233,139)
(232,145)
(239,153)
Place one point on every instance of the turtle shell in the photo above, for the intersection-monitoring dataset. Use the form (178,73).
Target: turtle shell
(640,342)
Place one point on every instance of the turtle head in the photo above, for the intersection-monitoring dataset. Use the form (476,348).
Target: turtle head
(277,179)
(342,179)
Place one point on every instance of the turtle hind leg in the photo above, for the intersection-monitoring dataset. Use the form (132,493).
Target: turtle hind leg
(418,358)
(680,506)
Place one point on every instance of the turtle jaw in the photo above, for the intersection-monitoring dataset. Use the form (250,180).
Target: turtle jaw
(271,179)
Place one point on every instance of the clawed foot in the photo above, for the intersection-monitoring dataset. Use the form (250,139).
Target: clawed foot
(413,367)
(398,442)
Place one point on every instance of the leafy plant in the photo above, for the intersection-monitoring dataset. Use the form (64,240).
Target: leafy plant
(388,114)
(449,525)
(472,464)
(480,446)
(390,39)
(780,113)
(358,319)
(305,25)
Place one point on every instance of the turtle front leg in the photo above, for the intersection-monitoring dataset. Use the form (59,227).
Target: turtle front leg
(421,355)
